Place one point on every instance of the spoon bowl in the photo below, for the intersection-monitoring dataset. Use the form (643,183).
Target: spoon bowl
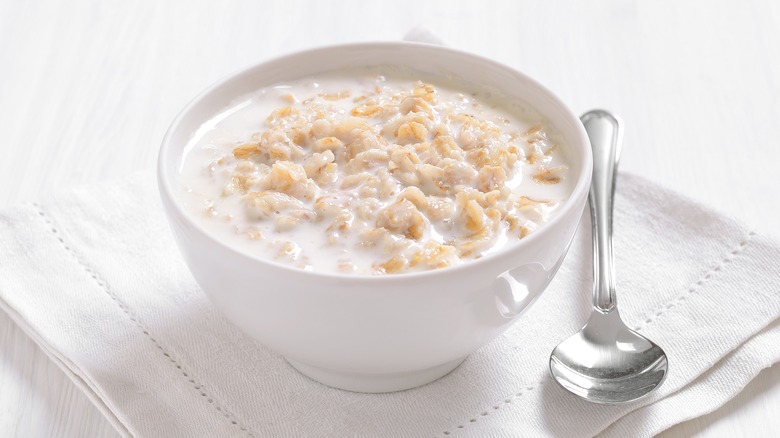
(606,362)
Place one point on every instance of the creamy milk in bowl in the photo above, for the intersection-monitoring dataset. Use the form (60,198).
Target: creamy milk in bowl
(374,212)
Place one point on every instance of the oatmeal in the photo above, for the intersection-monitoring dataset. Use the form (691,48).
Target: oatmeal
(370,174)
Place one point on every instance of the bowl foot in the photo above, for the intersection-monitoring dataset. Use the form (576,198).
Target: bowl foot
(360,382)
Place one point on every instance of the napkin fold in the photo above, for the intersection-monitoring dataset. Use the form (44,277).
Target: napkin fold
(93,276)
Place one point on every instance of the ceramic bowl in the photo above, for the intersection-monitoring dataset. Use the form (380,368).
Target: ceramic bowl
(376,333)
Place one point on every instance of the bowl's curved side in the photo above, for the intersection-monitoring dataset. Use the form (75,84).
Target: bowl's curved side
(373,326)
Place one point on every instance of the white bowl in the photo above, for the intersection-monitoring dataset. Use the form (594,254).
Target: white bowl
(375,333)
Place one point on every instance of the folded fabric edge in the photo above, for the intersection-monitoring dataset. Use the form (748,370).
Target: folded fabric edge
(705,209)
(70,370)
(707,393)
(764,244)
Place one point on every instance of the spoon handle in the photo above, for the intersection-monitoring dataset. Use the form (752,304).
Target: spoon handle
(605,131)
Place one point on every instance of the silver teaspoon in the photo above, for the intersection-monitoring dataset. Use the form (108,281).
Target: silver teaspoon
(606,362)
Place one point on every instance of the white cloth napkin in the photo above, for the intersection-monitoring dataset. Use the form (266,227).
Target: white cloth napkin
(94,277)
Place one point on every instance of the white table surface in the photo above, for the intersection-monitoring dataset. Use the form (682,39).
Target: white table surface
(87,89)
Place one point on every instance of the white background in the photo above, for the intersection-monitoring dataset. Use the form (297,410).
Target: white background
(88,88)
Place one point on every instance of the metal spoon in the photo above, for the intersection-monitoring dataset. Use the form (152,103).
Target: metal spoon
(606,362)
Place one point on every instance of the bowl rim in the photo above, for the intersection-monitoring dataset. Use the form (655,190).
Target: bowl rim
(166,181)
